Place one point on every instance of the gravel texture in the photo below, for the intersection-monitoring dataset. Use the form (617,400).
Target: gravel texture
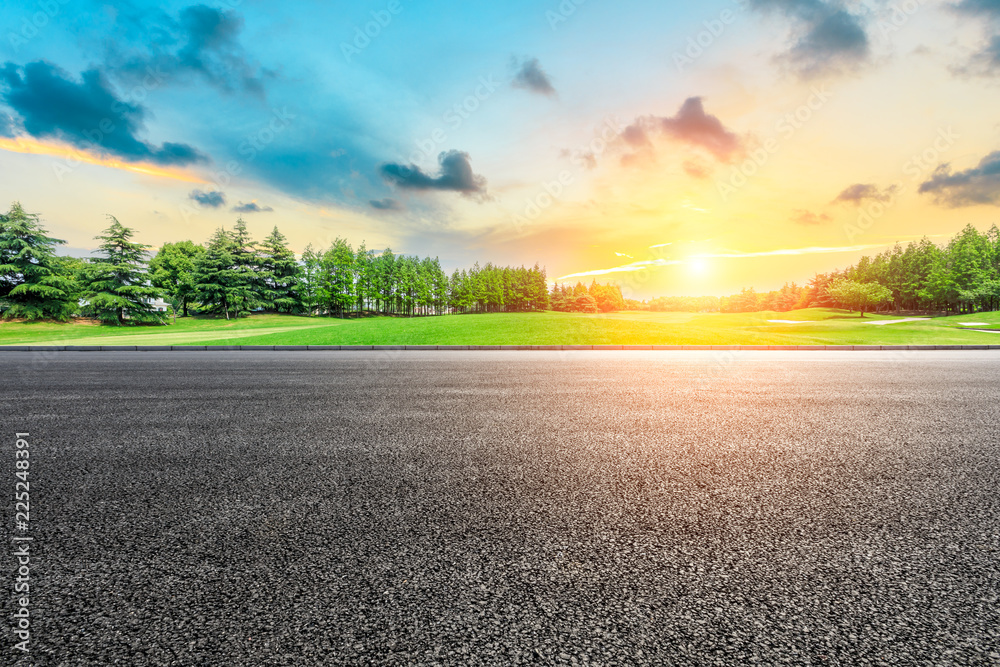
(504,508)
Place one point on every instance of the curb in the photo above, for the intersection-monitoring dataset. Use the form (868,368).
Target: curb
(480,348)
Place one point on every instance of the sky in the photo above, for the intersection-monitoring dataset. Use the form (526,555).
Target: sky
(673,148)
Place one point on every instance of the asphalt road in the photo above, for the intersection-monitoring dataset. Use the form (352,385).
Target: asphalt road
(267,508)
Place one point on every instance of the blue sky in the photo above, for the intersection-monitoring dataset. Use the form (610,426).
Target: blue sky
(575,135)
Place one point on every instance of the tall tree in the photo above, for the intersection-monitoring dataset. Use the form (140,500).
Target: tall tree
(248,290)
(215,278)
(34,283)
(280,274)
(172,270)
(855,295)
(118,290)
(307,289)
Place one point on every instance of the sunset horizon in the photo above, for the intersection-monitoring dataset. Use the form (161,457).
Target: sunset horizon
(707,149)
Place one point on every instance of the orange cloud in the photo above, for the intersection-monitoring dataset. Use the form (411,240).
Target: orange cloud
(74,156)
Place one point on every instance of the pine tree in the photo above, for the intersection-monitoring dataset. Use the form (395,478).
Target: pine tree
(34,283)
(118,289)
(249,286)
(280,274)
(215,277)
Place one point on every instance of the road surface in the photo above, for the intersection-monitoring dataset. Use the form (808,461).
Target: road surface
(473,508)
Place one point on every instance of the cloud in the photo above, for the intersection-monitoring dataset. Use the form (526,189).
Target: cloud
(696,170)
(979,185)
(6,125)
(804,217)
(87,114)
(635,136)
(858,193)
(202,41)
(386,204)
(983,7)
(213,199)
(827,36)
(692,126)
(812,250)
(456,176)
(650,263)
(251,207)
(627,268)
(530,76)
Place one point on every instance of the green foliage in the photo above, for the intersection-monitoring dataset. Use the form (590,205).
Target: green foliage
(215,276)
(117,288)
(859,296)
(34,283)
(172,270)
(280,274)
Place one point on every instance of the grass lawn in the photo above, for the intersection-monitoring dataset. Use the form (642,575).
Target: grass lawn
(814,326)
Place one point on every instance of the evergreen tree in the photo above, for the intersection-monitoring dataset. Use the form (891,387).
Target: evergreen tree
(280,274)
(34,283)
(215,277)
(249,290)
(118,290)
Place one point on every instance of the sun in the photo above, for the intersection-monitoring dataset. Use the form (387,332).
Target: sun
(697,266)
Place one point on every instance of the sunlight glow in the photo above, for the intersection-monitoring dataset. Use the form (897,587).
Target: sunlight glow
(697,266)
(74,156)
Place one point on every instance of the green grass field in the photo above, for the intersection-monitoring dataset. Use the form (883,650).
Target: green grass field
(815,326)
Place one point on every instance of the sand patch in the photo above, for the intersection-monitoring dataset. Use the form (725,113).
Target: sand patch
(880,323)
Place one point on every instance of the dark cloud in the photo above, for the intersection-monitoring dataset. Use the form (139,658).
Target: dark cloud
(827,36)
(456,176)
(691,125)
(858,193)
(694,126)
(87,114)
(202,41)
(531,76)
(251,207)
(803,217)
(979,185)
(213,199)
(984,7)
(987,61)
(386,204)
(635,136)
(984,63)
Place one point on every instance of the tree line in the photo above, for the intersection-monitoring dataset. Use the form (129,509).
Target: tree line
(232,275)
(960,276)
